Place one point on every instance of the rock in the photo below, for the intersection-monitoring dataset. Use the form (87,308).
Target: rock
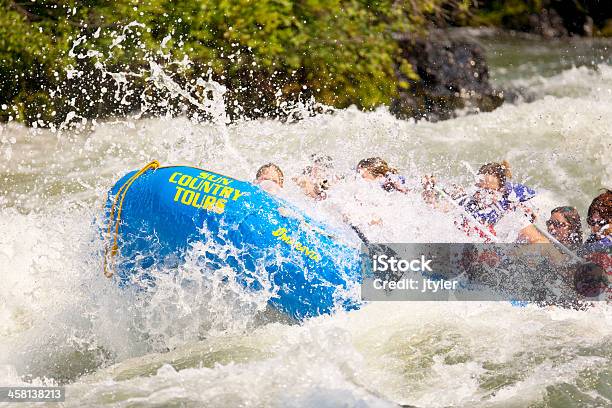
(548,24)
(562,18)
(549,18)
(453,74)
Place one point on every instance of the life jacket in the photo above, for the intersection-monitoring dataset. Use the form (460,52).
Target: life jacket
(519,192)
(488,216)
(394,182)
(599,251)
(473,229)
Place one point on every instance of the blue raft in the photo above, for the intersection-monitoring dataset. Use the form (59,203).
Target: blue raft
(157,214)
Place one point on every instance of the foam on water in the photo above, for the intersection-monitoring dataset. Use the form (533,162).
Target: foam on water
(203,341)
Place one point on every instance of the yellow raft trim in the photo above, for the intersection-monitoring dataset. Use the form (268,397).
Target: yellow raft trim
(119,197)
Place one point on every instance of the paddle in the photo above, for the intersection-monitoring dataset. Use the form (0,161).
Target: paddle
(383,249)
(360,234)
(459,207)
(558,244)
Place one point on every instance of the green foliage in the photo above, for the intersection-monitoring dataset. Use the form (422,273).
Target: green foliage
(512,14)
(340,52)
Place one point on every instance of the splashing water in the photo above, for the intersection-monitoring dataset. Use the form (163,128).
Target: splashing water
(203,341)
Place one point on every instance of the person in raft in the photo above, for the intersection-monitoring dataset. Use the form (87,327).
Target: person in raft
(377,169)
(496,205)
(594,279)
(316,178)
(270,178)
(565,225)
(599,218)
(598,246)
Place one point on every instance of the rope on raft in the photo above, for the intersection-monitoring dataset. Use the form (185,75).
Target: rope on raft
(109,253)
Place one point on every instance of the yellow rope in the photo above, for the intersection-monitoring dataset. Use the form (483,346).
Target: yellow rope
(119,197)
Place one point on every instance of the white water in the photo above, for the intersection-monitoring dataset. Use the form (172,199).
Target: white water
(61,320)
